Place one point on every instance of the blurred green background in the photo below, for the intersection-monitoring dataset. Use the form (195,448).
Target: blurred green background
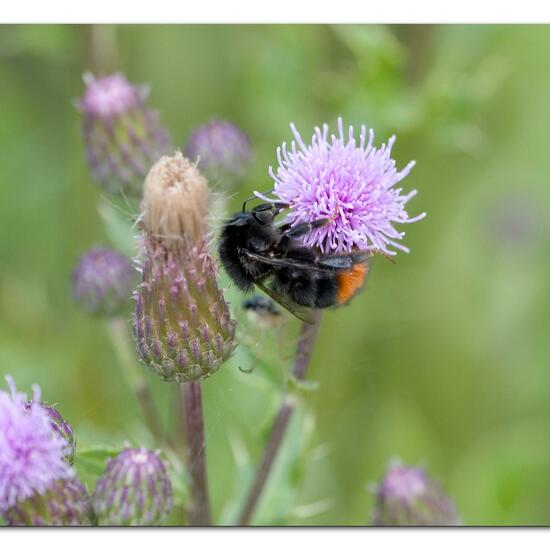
(443,361)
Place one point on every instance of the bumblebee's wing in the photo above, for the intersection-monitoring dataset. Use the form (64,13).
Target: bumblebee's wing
(342,262)
(290,262)
(303,313)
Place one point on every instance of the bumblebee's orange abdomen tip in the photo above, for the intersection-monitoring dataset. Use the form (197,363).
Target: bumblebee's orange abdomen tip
(349,282)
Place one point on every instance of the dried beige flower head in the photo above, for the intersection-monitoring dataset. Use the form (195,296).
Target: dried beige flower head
(175,200)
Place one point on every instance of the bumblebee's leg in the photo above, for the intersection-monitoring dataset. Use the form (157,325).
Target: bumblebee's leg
(271,208)
(305,227)
(260,208)
(274,207)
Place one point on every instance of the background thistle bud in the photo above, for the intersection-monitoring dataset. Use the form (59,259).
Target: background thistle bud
(221,149)
(61,428)
(123,137)
(134,490)
(182,324)
(102,282)
(65,503)
(407,496)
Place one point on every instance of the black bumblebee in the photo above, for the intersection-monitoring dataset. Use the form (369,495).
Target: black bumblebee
(256,251)
(262,311)
(261,304)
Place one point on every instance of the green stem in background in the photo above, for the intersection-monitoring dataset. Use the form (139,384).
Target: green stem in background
(118,332)
(304,350)
(101,48)
(199,507)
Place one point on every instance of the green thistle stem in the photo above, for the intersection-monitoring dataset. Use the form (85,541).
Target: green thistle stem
(199,507)
(304,350)
(118,332)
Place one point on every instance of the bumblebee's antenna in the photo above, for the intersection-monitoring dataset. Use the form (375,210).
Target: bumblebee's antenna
(253,197)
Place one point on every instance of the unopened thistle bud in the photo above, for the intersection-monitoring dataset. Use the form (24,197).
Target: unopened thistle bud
(182,325)
(65,503)
(221,149)
(123,137)
(134,490)
(60,427)
(407,496)
(103,281)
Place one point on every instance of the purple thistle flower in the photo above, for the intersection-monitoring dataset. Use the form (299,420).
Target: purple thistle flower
(31,453)
(134,490)
(123,136)
(407,496)
(221,149)
(350,183)
(110,96)
(103,281)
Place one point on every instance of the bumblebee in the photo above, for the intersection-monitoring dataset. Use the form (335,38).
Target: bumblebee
(262,311)
(254,250)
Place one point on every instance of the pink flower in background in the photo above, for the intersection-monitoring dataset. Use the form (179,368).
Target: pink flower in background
(122,134)
(221,149)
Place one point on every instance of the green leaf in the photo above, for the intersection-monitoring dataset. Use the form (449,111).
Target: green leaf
(118,225)
(179,477)
(91,460)
(282,489)
(374,46)
(243,479)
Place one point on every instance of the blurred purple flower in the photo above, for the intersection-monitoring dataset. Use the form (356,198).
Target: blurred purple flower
(350,183)
(31,453)
(123,136)
(222,150)
(134,490)
(514,220)
(102,281)
(111,96)
(65,503)
(407,496)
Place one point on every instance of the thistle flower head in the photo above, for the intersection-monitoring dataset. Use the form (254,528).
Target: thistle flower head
(65,503)
(111,96)
(134,490)
(350,183)
(102,282)
(123,137)
(32,454)
(221,149)
(407,496)
(175,201)
(182,325)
